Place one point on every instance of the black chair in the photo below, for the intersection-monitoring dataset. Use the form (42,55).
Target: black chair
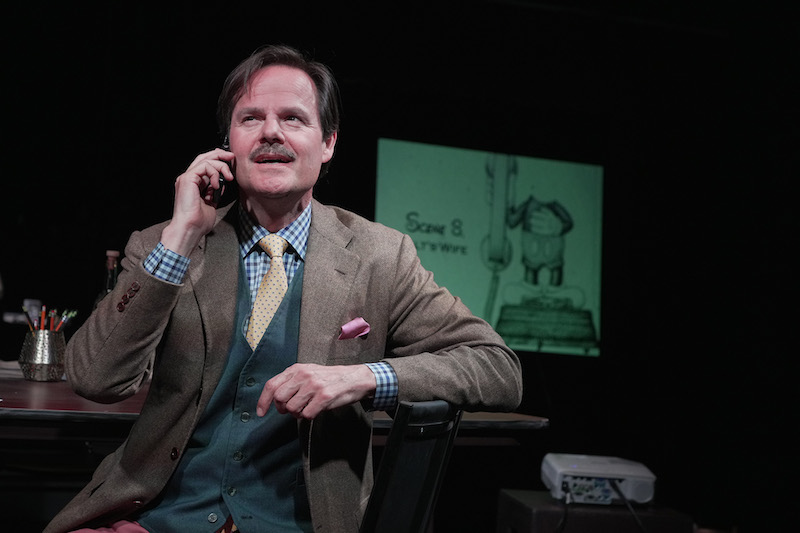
(411,468)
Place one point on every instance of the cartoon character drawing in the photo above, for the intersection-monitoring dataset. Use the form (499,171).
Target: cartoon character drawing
(539,309)
(544,225)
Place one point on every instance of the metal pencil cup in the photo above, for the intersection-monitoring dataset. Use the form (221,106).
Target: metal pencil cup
(42,355)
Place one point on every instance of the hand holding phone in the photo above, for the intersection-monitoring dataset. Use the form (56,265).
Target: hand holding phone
(197,193)
(216,194)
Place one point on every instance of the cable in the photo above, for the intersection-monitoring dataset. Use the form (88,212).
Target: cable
(616,488)
(567,500)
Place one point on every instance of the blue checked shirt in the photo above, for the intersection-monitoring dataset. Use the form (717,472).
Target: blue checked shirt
(172,267)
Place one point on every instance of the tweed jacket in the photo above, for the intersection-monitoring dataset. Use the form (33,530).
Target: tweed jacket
(177,337)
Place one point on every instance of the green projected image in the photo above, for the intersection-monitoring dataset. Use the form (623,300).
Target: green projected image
(518,239)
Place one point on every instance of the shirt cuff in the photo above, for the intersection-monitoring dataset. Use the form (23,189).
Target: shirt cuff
(386,387)
(167,265)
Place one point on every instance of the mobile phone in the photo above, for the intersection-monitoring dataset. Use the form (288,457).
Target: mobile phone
(216,196)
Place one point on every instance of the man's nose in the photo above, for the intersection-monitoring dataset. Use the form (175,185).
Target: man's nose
(271,131)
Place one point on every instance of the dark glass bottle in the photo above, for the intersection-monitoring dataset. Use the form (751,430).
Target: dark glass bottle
(112,269)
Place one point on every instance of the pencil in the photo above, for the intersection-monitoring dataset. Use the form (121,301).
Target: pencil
(61,322)
(28,318)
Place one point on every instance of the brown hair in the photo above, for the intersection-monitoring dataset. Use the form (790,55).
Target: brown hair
(236,84)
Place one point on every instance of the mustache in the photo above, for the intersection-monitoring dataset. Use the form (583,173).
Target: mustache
(272,149)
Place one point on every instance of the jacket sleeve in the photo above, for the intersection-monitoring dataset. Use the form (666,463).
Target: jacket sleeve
(112,354)
(439,349)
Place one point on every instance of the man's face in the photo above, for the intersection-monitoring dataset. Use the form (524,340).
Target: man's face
(276,137)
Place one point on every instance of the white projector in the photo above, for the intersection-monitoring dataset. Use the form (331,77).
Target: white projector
(592,479)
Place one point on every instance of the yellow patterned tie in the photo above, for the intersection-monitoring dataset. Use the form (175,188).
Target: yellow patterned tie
(271,291)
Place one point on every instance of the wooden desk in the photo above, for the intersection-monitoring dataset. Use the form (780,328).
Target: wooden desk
(51,440)
(21,399)
(31,409)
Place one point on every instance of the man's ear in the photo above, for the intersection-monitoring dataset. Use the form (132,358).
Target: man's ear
(330,144)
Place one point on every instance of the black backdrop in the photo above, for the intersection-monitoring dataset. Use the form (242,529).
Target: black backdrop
(691,109)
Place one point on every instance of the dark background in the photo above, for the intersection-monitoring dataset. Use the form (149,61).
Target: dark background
(691,107)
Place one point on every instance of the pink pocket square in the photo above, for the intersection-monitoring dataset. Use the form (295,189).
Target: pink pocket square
(357,327)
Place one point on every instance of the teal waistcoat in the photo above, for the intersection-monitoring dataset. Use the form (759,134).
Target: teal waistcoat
(237,463)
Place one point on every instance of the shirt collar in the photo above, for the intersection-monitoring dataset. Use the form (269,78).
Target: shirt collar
(296,233)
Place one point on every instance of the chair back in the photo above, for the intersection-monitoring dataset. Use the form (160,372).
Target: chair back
(411,468)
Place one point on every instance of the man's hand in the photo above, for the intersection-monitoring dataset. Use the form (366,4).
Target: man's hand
(194,211)
(305,390)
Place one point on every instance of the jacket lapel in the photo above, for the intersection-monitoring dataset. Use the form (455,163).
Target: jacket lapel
(214,275)
(329,273)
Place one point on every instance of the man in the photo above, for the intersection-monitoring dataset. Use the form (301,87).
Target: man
(272,431)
